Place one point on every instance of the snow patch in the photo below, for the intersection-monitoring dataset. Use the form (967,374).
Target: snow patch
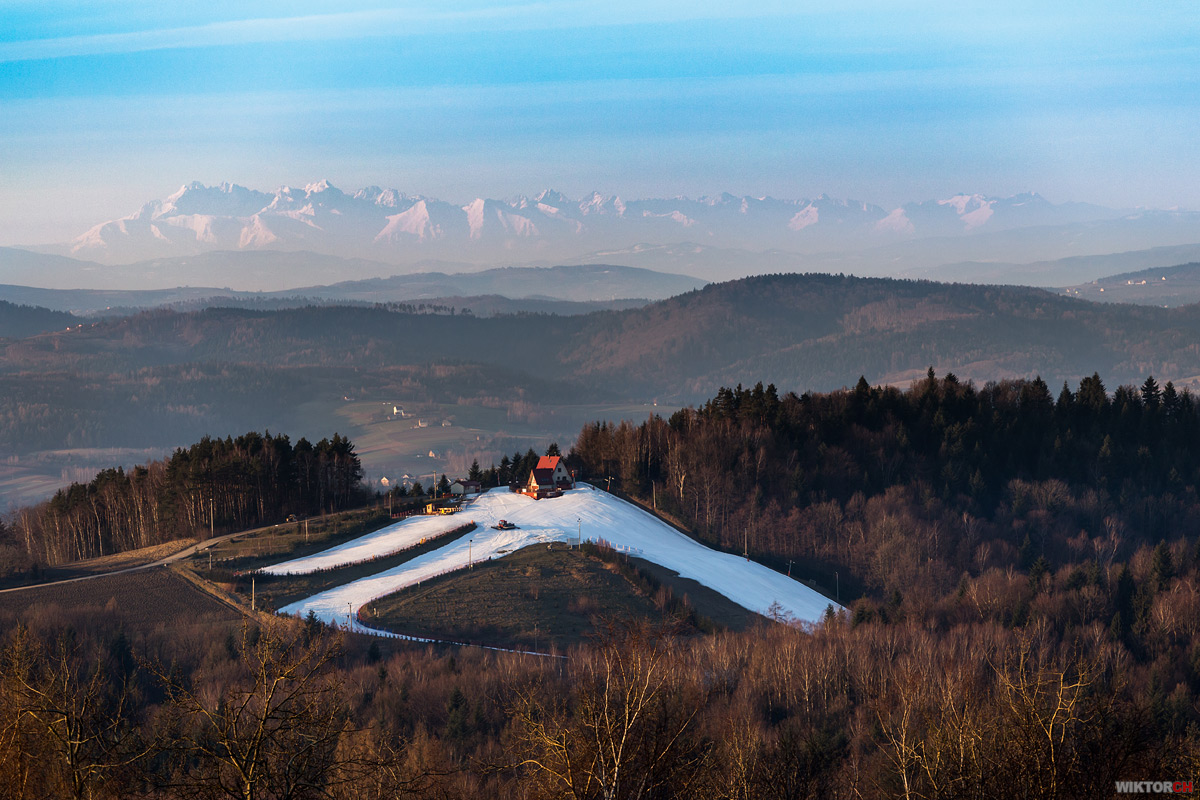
(392,539)
(674,216)
(803,218)
(973,209)
(256,234)
(973,219)
(481,212)
(895,222)
(414,222)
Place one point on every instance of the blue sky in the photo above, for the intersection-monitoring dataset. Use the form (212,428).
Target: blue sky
(106,105)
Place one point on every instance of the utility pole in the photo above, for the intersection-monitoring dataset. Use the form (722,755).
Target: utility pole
(470,561)
(211,524)
(306,531)
(580,539)
(746,543)
(251,592)
(349,614)
(837,582)
(789,568)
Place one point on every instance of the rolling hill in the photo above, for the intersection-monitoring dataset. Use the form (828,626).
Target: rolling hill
(1062,271)
(20,321)
(1169,287)
(160,378)
(585,283)
(798,331)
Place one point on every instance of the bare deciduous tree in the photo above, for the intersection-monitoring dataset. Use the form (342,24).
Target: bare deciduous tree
(77,712)
(271,732)
(628,733)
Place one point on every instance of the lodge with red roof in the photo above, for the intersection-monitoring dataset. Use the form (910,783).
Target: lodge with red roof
(548,478)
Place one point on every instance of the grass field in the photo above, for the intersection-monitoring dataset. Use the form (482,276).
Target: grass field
(536,598)
(96,566)
(144,601)
(262,546)
(31,477)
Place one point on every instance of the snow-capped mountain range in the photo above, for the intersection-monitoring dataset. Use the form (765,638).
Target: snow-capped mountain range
(390,225)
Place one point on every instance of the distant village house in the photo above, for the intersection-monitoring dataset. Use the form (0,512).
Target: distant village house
(441,507)
(461,487)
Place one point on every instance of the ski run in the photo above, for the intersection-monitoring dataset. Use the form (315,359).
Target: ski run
(583,512)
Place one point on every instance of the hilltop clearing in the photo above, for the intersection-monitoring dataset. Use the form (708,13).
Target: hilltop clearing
(595,516)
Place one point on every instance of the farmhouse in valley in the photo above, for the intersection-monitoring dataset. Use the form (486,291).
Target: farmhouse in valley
(463,486)
(548,478)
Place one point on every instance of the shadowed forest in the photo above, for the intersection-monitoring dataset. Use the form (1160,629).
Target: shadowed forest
(214,486)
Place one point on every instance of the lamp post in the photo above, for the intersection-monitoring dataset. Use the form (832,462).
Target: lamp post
(198,492)
(470,559)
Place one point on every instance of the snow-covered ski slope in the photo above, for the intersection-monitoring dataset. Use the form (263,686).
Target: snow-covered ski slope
(596,515)
(395,537)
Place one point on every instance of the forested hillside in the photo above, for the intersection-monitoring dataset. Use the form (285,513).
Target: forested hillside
(819,332)
(909,491)
(214,486)
(19,321)
(160,377)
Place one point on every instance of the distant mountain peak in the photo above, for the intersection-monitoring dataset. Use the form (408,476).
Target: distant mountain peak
(322,185)
(386,224)
(552,197)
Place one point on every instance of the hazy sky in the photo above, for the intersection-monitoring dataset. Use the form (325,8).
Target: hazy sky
(106,105)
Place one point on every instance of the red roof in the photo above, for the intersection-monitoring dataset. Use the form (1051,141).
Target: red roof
(547,462)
